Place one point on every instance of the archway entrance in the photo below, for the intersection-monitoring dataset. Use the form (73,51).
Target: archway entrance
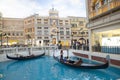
(82,41)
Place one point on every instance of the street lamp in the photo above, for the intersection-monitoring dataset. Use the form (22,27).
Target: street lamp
(7,39)
(28,39)
(57,36)
(82,36)
(1,35)
(51,42)
(1,38)
(72,40)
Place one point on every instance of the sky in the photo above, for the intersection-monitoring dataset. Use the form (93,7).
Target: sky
(25,8)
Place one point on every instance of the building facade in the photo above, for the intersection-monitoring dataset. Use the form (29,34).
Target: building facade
(47,30)
(30,26)
(13,31)
(0,22)
(38,30)
(79,32)
(1,29)
(104,25)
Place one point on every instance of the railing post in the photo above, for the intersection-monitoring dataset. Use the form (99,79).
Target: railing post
(44,49)
(31,50)
(16,50)
(48,50)
(3,51)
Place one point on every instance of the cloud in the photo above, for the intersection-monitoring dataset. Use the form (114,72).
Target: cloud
(71,7)
(18,8)
(24,8)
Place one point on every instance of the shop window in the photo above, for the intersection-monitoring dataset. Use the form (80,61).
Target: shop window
(21,34)
(46,32)
(62,32)
(39,37)
(68,37)
(61,28)
(62,37)
(67,32)
(74,32)
(105,2)
(39,27)
(9,34)
(74,25)
(13,34)
(81,23)
(17,34)
(67,29)
(45,27)
(45,37)
(97,6)
(39,32)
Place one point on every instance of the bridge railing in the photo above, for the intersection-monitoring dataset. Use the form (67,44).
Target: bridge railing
(16,50)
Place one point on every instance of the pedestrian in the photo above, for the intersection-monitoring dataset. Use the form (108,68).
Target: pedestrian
(61,55)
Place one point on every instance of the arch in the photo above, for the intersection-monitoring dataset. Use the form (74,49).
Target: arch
(82,39)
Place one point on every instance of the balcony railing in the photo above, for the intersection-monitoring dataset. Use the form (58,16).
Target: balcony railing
(111,5)
(114,17)
(106,49)
(22,50)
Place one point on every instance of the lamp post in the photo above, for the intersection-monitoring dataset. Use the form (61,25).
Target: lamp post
(7,39)
(1,38)
(82,36)
(51,39)
(57,37)
(1,35)
(72,41)
(28,39)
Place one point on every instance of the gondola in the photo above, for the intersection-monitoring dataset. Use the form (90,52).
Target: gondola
(84,65)
(25,57)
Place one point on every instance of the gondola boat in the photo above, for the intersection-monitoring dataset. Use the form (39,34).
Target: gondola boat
(84,65)
(25,57)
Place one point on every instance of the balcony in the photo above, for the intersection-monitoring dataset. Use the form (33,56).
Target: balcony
(105,9)
(106,20)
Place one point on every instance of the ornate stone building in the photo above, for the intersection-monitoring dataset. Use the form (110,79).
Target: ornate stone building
(0,22)
(13,30)
(79,31)
(38,30)
(30,27)
(47,30)
(1,28)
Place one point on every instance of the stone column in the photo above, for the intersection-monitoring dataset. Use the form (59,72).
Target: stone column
(90,42)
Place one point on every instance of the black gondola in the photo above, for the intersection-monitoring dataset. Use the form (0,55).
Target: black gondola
(25,57)
(84,65)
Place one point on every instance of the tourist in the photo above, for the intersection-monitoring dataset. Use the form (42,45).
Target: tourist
(74,45)
(66,59)
(79,62)
(59,46)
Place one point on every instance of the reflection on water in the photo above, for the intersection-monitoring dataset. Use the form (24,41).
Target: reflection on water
(46,68)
